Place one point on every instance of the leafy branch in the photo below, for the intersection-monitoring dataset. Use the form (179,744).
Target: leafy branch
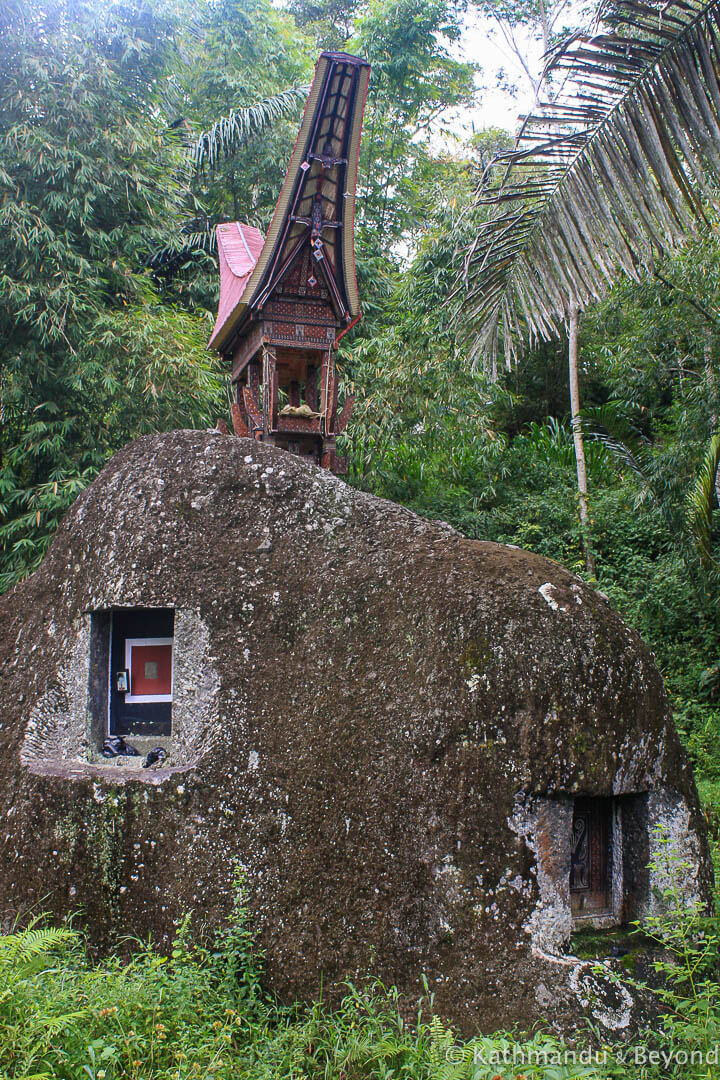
(237,128)
(613,172)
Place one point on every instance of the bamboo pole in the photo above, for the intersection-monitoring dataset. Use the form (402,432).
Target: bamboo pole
(578,437)
(712,397)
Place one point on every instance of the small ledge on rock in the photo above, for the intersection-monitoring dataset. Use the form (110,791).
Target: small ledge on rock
(113,772)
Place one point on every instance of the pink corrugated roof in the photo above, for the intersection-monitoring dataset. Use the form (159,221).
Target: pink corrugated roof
(239,247)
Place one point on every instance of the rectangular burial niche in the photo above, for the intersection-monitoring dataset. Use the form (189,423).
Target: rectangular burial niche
(592,855)
(141,672)
(596,861)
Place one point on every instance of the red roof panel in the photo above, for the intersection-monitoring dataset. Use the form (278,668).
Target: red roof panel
(239,247)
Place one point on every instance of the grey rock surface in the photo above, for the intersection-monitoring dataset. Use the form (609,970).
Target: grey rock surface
(382,722)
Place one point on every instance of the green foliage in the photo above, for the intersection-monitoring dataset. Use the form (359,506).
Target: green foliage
(164,1018)
(23,953)
(237,128)
(701,501)
(239,86)
(90,353)
(687,965)
(415,81)
(201,1011)
(61,1015)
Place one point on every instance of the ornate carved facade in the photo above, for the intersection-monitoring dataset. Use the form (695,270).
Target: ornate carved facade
(287,299)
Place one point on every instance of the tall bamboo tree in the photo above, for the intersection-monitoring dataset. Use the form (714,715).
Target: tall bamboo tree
(90,354)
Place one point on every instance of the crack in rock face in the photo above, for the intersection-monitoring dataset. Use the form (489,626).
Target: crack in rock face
(388,726)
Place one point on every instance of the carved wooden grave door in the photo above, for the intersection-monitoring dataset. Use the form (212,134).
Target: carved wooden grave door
(591,857)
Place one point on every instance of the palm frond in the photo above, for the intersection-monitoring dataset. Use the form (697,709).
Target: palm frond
(702,500)
(611,427)
(612,422)
(605,178)
(235,129)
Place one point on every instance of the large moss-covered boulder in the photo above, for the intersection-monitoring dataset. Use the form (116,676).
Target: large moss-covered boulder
(394,730)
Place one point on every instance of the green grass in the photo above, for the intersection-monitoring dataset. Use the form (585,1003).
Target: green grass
(65,1016)
(202,1013)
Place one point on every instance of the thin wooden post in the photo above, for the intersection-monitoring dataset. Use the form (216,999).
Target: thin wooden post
(311,395)
(574,318)
(711,385)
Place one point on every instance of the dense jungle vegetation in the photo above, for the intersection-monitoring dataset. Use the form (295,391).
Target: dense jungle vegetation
(127,131)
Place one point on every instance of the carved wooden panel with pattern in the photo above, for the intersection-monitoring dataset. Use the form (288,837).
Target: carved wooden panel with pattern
(591,857)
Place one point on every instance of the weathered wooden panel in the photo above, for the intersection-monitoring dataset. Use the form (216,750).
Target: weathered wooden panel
(590,872)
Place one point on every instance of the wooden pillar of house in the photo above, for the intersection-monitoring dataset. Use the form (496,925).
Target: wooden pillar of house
(238,412)
(333,415)
(274,393)
(254,379)
(270,390)
(327,389)
(240,400)
(251,398)
(311,394)
(294,394)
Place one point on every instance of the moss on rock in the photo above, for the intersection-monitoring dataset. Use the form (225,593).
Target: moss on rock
(385,726)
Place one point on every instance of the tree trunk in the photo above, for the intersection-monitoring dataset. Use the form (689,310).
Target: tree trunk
(578,437)
(712,398)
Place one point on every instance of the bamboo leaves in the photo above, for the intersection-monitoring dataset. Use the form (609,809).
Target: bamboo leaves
(196,232)
(604,179)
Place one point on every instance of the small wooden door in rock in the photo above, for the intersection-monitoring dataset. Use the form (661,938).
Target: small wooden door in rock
(141,672)
(590,864)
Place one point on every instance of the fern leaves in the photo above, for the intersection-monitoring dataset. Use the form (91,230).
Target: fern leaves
(22,953)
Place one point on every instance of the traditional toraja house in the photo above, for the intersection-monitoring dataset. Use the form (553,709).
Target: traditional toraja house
(432,757)
(287,299)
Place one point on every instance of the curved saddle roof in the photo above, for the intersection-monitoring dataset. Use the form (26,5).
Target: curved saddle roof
(316,205)
(239,248)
